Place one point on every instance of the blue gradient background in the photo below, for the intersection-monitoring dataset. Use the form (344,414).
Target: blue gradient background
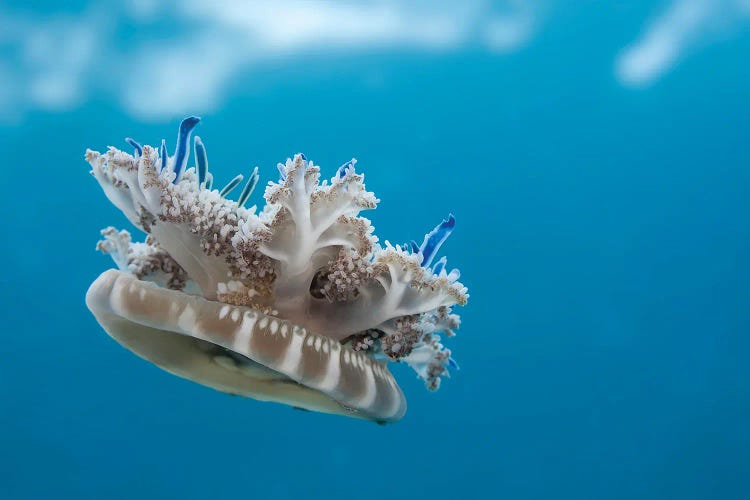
(603,233)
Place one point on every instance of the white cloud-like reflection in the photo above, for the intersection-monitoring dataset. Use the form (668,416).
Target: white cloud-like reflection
(185,53)
(682,27)
(231,36)
(53,57)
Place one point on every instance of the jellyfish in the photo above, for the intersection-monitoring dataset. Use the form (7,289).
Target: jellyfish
(297,303)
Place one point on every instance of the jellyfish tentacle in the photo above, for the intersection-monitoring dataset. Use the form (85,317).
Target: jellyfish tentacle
(249,187)
(163,155)
(136,146)
(435,239)
(201,160)
(182,152)
(231,185)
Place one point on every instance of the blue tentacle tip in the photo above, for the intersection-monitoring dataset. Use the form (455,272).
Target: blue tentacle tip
(438,266)
(435,238)
(201,160)
(138,148)
(341,172)
(163,154)
(182,152)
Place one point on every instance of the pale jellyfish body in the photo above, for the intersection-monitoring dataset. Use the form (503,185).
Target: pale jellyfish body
(296,304)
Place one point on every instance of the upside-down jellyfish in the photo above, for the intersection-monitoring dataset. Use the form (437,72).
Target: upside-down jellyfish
(297,303)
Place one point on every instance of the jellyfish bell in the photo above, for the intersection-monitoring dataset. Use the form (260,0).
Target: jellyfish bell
(297,304)
(242,351)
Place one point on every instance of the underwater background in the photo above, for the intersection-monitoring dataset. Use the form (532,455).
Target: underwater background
(596,156)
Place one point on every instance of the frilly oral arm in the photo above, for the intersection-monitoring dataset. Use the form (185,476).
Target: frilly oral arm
(147,261)
(410,288)
(341,201)
(105,169)
(116,244)
(312,222)
(397,286)
(431,361)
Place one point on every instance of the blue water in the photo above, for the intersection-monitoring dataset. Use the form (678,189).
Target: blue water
(603,232)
